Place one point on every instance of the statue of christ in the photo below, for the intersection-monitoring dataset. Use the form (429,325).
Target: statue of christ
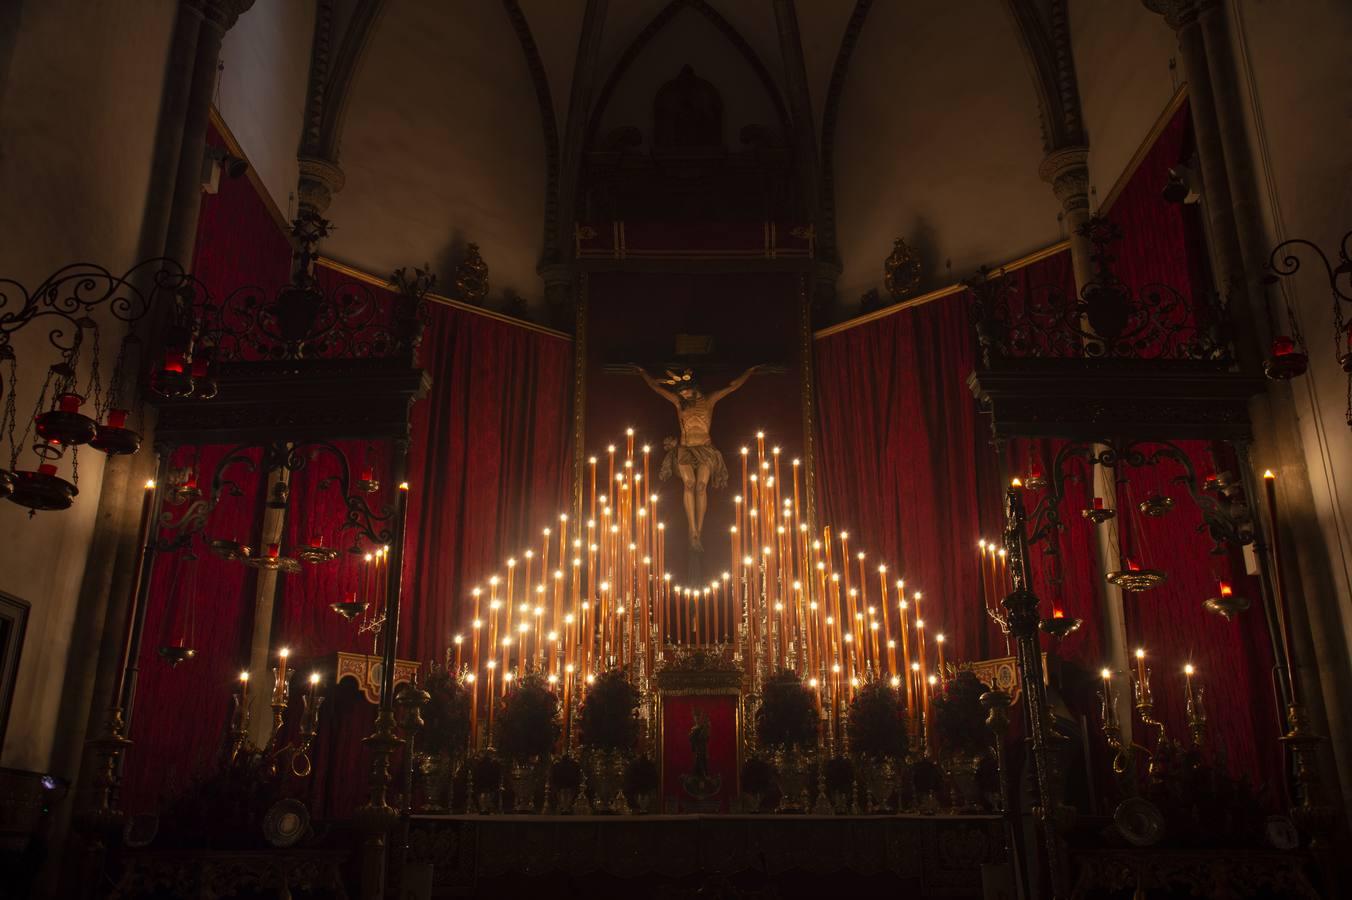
(694,457)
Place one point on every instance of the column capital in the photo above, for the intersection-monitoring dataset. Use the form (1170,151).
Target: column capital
(1067,171)
(1178,13)
(320,179)
(223,14)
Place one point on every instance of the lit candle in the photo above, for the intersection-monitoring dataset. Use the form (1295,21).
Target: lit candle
(279,689)
(1140,669)
(939,646)
(1188,672)
(314,683)
(1274,538)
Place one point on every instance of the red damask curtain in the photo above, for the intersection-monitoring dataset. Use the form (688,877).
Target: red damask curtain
(489,467)
(904,459)
(203,603)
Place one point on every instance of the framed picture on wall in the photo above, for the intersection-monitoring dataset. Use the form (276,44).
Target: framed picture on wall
(13,623)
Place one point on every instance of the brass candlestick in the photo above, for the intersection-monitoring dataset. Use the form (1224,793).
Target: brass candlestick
(1312,817)
(239,719)
(1112,728)
(1194,709)
(1145,708)
(301,765)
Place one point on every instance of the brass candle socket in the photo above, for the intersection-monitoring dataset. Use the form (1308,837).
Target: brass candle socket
(1196,716)
(239,726)
(301,765)
(1316,820)
(1112,729)
(1098,514)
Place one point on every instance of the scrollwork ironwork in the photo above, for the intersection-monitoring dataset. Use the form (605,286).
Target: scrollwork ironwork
(1107,320)
(1226,516)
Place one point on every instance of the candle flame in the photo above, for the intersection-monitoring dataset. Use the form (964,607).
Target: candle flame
(1105,674)
(896,682)
(403,485)
(1226,590)
(1017,483)
(243,676)
(314,678)
(1140,653)
(284,652)
(150,484)
(1188,669)
(1268,474)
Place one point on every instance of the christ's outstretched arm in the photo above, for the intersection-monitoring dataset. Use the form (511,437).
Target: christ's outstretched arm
(656,385)
(733,385)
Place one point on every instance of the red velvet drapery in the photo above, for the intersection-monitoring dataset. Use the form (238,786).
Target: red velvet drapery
(1234,659)
(180,714)
(904,461)
(490,465)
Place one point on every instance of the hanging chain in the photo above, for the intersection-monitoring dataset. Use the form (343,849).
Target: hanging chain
(10,415)
(95,394)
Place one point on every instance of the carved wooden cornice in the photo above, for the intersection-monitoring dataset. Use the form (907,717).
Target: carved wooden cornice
(1083,400)
(298,400)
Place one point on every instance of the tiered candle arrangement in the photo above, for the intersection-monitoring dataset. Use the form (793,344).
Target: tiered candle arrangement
(596,594)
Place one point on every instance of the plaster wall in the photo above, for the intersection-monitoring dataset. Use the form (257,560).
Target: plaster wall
(266,59)
(1299,89)
(78,110)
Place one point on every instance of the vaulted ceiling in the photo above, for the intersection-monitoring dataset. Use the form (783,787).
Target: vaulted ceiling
(464,120)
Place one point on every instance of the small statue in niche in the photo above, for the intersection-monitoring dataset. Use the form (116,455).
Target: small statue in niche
(471,277)
(901,270)
(694,458)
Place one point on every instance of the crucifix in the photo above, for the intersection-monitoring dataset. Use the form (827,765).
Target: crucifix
(693,457)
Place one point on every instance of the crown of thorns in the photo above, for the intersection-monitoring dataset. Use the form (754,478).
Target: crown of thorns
(683,378)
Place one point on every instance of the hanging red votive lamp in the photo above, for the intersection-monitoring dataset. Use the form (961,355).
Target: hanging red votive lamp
(349,607)
(1226,604)
(1286,360)
(205,385)
(65,424)
(114,437)
(1035,481)
(1345,358)
(172,378)
(1058,624)
(42,489)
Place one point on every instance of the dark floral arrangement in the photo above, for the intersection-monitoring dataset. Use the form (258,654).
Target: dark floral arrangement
(608,719)
(565,773)
(527,726)
(446,715)
(223,808)
(487,773)
(959,718)
(787,716)
(640,776)
(839,776)
(758,777)
(1202,804)
(877,724)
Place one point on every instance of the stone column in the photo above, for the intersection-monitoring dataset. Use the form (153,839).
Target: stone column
(1067,170)
(1240,244)
(218,17)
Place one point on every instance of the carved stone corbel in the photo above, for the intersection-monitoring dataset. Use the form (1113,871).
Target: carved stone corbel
(320,179)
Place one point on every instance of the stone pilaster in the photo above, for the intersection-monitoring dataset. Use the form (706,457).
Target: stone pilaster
(1067,171)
